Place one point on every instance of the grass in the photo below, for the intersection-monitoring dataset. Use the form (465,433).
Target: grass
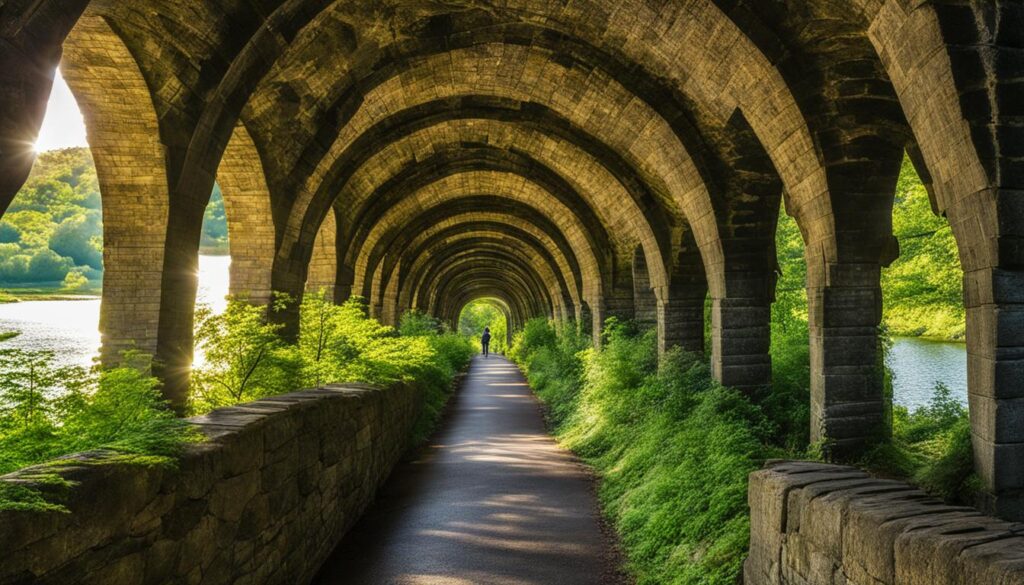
(672,447)
(50,292)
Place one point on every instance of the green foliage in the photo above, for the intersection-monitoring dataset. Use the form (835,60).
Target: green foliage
(417,322)
(54,222)
(673,448)
(47,411)
(245,359)
(787,402)
(214,239)
(483,313)
(932,447)
(54,226)
(341,343)
(922,290)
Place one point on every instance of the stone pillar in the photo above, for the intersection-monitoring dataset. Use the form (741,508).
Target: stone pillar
(586,321)
(389,312)
(681,324)
(995,375)
(740,342)
(848,406)
(251,234)
(323,266)
(645,304)
(741,331)
(124,136)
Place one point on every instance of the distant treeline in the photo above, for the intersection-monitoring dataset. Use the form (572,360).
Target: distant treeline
(52,234)
(921,290)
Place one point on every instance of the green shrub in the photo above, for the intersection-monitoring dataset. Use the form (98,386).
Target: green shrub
(931,447)
(419,323)
(672,447)
(244,358)
(47,411)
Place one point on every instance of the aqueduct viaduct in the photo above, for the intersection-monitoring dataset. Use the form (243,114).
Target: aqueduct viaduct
(574,160)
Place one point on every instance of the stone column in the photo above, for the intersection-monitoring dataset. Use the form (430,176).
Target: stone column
(645,304)
(323,266)
(848,406)
(124,136)
(741,332)
(995,375)
(681,324)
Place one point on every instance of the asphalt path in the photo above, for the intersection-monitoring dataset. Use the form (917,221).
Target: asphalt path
(491,500)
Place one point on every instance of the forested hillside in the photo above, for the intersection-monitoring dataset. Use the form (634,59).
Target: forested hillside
(921,290)
(52,234)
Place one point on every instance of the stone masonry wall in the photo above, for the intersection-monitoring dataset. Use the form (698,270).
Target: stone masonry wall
(264,500)
(816,524)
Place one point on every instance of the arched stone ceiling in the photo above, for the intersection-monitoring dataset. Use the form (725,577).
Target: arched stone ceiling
(406,250)
(409,244)
(485,190)
(445,250)
(663,119)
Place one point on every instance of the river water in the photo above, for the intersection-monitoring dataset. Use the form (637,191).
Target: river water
(69,327)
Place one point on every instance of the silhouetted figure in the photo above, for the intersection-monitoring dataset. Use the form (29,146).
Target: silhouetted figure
(485,341)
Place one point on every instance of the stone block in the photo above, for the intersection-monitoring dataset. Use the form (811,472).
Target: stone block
(844,527)
(256,489)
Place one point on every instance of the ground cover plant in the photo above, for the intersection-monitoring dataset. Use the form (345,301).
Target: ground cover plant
(245,359)
(672,447)
(47,410)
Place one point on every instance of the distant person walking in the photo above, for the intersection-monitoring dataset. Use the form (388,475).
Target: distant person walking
(485,341)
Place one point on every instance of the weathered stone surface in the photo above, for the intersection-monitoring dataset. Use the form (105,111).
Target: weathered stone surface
(565,160)
(263,501)
(817,524)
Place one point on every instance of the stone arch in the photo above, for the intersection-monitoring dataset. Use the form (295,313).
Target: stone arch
(460,303)
(503,245)
(250,226)
(426,230)
(956,102)
(463,187)
(124,137)
(486,235)
(497,264)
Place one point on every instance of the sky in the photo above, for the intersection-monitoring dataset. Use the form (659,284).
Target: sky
(63,126)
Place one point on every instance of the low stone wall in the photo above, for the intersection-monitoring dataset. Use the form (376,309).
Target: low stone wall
(263,501)
(816,524)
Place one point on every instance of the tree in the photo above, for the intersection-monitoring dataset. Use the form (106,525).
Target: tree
(79,237)
(48,266)
(245,359)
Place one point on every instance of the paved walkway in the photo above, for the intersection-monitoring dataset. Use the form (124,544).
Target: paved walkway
(492,500)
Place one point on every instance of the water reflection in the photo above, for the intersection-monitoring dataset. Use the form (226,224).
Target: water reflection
(917,364)
(71,328)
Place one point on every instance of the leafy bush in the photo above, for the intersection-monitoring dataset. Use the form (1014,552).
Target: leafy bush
(47,411)
(244,357)
(931,447)
(342,343)
(673,448)
(416,322)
